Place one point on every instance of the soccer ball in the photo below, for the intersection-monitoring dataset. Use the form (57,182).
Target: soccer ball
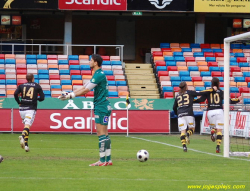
(142,155)
(1,158)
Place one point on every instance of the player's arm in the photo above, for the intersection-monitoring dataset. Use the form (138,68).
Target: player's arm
(235,100)
(40,91)
(16,93)
(201,99)
(175,106)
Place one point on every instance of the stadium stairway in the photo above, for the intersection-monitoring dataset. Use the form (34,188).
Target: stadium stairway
(141,81)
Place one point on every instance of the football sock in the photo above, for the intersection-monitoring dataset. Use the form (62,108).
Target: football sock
(102,149)
(108,148)
(190,132)
(183,140)
(219,138)
(25,134)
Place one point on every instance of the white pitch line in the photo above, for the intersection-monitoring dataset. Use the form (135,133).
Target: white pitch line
(117,179)
(188,148)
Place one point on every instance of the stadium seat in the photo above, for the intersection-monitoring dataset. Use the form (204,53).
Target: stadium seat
(168,95)
(241,59)
(75,72)
(161,68)
(63,62)
(73,62)
(74,67)
(193,68)
(208,73)
(216,74)
(77,82)
(11,82)
(41,57)
(160,63)
(186,78)
(170,63)
(196,78)
(234,90)
(167,89)
(116,63)
(198,54)
(184,73)
(194,45)
(175,78)
(113,94)
(199,88)
(76,77)
(121,83)
(169,58)
(73,57)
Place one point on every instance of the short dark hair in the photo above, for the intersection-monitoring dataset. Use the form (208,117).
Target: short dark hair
(215,82)
(183,87)
(97,58)
(29,77)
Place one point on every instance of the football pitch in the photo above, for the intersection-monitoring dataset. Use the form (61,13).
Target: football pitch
(61,162)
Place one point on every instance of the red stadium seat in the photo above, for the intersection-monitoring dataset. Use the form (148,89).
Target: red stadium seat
(219,54)
(106,58)
(2,76)
(157,53)
(234,95)
(73,62)
(2,56)
(208,54)
(75,72)
(168,95)
(110,78)
(54,77)
(194,79)
(172,68)
(241,59)
(216,74)
(160,63)
(235,69)
(21,71)
(247,79)
(189,59)
(162,73)
(21,66)
(176,89)
(21,81)
(215,64)
(51,57)
(205,46)
(166,50)
(244,90)
(86,72)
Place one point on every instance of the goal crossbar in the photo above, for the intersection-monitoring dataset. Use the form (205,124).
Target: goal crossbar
(227,42)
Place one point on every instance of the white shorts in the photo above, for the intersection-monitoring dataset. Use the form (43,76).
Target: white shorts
(186,121)
(28,116)
(216,118)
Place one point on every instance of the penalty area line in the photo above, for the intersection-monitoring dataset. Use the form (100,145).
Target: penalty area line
(188,148)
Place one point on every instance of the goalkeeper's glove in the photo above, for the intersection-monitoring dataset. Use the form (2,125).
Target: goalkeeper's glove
(66,96)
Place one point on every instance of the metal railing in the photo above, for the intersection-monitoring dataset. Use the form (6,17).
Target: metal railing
(67,48)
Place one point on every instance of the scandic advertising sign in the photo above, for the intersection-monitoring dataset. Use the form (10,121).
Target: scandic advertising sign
(79,121)
(228,6)
(109,5)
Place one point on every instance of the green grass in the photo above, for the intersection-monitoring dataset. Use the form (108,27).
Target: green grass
(60,162)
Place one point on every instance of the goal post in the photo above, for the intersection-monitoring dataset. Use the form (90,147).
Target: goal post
(227,41)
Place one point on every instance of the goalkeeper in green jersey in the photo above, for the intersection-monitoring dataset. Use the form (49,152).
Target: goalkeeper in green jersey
(102,107)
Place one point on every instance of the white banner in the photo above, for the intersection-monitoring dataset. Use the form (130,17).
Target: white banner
(239,124)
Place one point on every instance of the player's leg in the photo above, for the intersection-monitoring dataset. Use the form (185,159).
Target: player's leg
(21,138)
(219,127)
(212,121)
(182,128)
(101,130)
(191,127)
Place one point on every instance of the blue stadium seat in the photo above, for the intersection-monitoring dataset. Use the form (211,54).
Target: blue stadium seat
(56,87)
(210,59)
(167,89)
(198,54)
(235,46)
(11,82)
(207,50)
(222,69)
(246,46)
(186,49)
(239,79)
(212,69)
(246,74)
(199,88)
(176,83)
(239,54)
(73,57)
(63,62)
(41,57)
(234,90)
(2,71)
(64,72)
(161,68)
(31,56)
(233,59)
(169,58)
(194,45)
(244,64)
(43,77)
(180,54)
(84,67)
(221,79)
(2,82)
(233,63)
(246,101)
(108,72)
(205,73)
(248,84)
(74,67)
(47,93)
(106,62)
(43,72)
(184,73)
(31,61)
(217,50)
(164,45)
(175,78)
(121,83)
(179,59)
(66,82)
(207,84)
(2,61)
(76,77)
(36,81)
(186,78)
(116,62)
(36,77)
(10,61)
(111,83)
(113,94)
(193,68)
(170,63)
